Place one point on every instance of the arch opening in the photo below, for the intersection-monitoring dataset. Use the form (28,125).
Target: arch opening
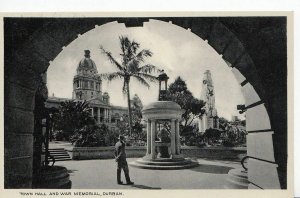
(213,30)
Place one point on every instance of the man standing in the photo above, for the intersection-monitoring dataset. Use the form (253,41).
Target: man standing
(120,157)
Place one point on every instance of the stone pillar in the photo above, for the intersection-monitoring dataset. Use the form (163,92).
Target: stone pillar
(93,112)
(204,122)
(109,115)
(153,130)
(177,137)
(173,139)
(148,137)
(104,115)
(98,115)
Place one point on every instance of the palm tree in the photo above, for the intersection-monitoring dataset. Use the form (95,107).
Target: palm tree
(72,115)
(130,67)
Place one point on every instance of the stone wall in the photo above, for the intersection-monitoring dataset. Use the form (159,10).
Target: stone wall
(219,153)
(84,153)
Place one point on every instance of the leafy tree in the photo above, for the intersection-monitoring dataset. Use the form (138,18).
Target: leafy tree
(72,115)
(234,132)
(212,135)
(137,106)
(243,123)
(111,137)
(195,140)
(122,126)
(194,108)
(130,67)
(223,123)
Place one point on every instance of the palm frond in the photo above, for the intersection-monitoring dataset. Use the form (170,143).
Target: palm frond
(112,76)
(125,43)
(129,49)
(134,47)
(149,77)
(111,58)
(133,66)
(142,81)
(143,54)
(148,69)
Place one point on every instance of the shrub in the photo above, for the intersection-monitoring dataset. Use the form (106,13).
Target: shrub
(228,143)
(200,144)
(111,137)
(89,136)
(60,135)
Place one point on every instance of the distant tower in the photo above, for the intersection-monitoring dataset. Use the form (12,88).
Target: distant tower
(210,119)
(87,83)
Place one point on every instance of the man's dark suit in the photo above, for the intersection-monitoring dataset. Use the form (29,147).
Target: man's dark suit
(120,156)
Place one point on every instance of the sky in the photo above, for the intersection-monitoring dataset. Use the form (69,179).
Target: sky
(176,50)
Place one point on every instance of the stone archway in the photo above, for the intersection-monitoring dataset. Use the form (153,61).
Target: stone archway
(255,48)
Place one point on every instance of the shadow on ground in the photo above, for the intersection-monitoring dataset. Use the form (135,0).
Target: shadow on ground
(205,168)
(145,187)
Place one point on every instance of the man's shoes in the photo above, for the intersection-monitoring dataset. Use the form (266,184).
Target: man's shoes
(130,183)
(120,183)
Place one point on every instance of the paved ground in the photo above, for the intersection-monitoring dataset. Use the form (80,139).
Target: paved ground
(101,174)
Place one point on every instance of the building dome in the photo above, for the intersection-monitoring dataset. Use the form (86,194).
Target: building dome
(162,105)
(162,110)
(87,63)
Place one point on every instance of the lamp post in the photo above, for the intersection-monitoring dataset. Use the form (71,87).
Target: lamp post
(163,86)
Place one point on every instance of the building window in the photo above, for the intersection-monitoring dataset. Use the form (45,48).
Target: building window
(97,86)
(77,83)
(86,84)
(92,85)
(79,95)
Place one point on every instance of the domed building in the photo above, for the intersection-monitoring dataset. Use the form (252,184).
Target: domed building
(87,85)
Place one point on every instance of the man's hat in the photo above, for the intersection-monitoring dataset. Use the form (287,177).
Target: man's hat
(121,137)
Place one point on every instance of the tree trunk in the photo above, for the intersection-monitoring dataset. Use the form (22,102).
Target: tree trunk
(129,109)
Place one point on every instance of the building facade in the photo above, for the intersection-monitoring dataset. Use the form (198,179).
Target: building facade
(87,86)
(210,118)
